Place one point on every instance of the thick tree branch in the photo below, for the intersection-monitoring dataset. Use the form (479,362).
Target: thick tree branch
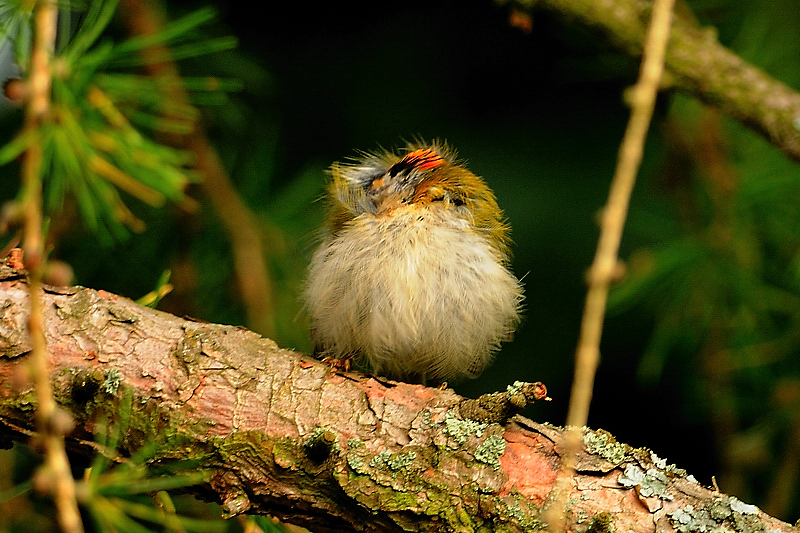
(697,63)
(284,435)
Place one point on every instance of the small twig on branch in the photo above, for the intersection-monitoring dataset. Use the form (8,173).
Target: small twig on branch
(606,263)
(52,423)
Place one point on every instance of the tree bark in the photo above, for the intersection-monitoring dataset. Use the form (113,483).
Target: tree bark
(282,434)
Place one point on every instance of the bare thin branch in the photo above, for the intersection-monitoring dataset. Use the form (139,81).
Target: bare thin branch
(601,274)
(605,265)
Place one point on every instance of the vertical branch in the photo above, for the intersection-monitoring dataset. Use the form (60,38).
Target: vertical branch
(38,105)
(605,264)
(51,422)
(602,272)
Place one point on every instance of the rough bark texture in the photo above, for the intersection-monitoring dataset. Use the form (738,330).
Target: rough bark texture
(696,63)
(284,435)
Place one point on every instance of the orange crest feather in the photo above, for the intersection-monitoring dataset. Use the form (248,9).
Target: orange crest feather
(422,158)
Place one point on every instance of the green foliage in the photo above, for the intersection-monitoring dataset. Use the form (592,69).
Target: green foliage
(152,298)
(729,277)
(95,141)
(121,498)
(15,28)
(128,494)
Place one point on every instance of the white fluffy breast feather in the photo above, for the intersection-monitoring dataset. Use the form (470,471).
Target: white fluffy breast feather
(416,294)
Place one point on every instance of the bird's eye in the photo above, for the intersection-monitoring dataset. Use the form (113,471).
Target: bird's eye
(377,183)
(458,202)
(367,180)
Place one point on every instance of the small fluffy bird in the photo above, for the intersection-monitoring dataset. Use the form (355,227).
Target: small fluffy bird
(412,275)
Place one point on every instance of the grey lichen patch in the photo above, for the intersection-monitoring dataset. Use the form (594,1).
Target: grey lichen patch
(522,511)
(605,445)
(356,451)
(690,520)
(515,512)
(671,468)
(515,388)
(650,483)
(738,506)
(719,509)
(380,459)
(111,382)
(515,394)
(720,516)
(393,462)
(354,443)
(747,523)
(723,508)
(401,460)
(460,430)
(355,463)
(743,516)
(490,450)
(497,407)
(427,419)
